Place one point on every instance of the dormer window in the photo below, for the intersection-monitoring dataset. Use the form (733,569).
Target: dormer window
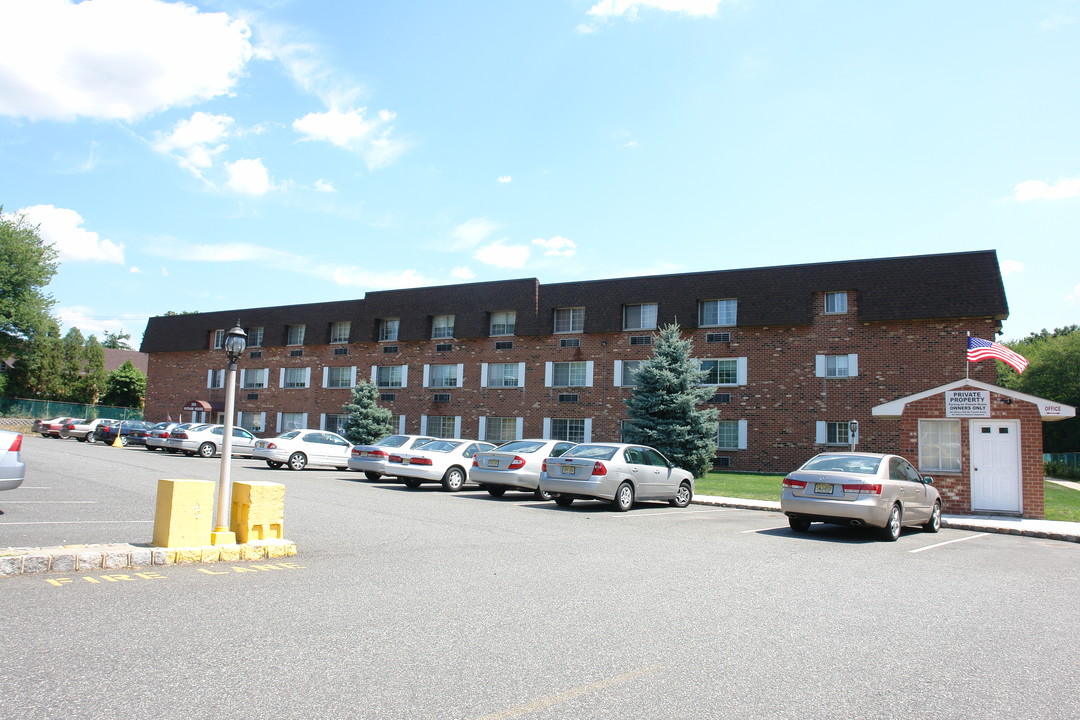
(717,313)
(835,303)
(442,326)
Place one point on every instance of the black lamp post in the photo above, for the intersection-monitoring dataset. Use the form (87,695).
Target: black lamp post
(235,344)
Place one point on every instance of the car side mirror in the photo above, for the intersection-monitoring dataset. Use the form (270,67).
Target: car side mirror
(928,480)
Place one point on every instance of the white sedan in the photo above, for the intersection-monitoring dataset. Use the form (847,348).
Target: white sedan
(441,461)
(371,459)
(12,467)
(516,466)
(300,448)
(205,441)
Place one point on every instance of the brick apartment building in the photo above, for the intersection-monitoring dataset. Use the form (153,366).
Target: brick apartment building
(794,353)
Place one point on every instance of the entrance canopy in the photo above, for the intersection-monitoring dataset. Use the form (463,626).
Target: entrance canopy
(202,406)
(1049,410)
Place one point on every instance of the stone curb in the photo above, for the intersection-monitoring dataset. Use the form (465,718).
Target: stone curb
(84,558)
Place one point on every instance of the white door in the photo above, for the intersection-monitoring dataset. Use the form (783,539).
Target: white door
(995,465)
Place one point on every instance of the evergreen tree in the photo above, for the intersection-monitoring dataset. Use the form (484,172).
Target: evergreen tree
(367,421)
(92,385)
(37,370)
(116,341)
(664,409)
(72,363)
(125,387)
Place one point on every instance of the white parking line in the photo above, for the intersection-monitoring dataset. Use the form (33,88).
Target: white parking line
(949,542)
(616,516)
(77,522)
(48,502)
(774,527)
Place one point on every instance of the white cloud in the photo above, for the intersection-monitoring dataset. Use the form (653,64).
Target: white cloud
(618,8)
(62,229)
(354,131)
(1058,21)
(83,317)
(557,246)
(134,270)
(1010,267)
(325,186)
(499,254)
(248,177)
(1039,190)
(195,142)
(505,180)
(472,232)
(462,273)
(1074,296)
(115,59)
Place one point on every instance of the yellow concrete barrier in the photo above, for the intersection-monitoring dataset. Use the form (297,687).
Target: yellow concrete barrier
(258,510)
(185,513)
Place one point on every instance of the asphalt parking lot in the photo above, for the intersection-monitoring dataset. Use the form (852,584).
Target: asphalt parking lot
(423,604)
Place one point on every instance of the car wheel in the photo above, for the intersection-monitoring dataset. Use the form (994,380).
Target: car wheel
(171,450)
(372,475)
(683,497)
(412,483)
(624,497)
(81,439)
(151,449)
(564,501)
(90,439)
(495,490)
(274,464)
(207,450)
(542,494)
(891,531)
(454,479)
(798,524)
(297,461)
(123,440)
(934,523)
(189,453)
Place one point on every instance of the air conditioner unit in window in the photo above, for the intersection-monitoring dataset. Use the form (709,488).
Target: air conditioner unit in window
(441,397)
(570,342)
(296,353)
(444,347)
(568,398)
(504,345)
(718,337)
(389,349)
(341,351)
(387,397)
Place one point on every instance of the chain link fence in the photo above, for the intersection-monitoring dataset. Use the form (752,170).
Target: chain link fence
(24,410)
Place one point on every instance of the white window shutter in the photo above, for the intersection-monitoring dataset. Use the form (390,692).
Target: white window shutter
(819,366)
(278,426)
(822,434)
(209,378)
(304,418)
(481,427)
(401,425)
(457,426)
(352,376)
(375,374)
(423,425)
(521,380)
(742,365)
(281,378)
(547,377)
(322,421)
(325,376)
(742,434)
(547,428)
(483,375)
(588,372)
(242,374)
(588,429)
(404,376)
(427,376)
(618,373)
(307,377)
(852,365)
(520,423)
(461,375)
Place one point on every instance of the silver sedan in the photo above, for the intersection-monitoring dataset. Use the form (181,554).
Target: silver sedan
(846,488)
(516,466)
(618,473)
(12,468)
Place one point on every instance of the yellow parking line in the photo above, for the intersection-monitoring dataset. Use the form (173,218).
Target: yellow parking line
(570,694)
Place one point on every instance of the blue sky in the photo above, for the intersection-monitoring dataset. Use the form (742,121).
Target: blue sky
(225,154)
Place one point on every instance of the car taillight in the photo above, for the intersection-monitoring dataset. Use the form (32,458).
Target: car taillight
(794,484)
(164,436)
(180,436)
(517,463)
(271,446)
(69,426)
(863,489)
(395,458)
(598,468)
(474,463)
(543,465)
(17,445)
(420,461)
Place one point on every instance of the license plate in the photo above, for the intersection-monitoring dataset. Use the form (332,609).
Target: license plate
(823,488)
(492,462)
(407,461)
(569,470)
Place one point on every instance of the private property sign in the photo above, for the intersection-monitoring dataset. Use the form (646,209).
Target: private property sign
(967,403)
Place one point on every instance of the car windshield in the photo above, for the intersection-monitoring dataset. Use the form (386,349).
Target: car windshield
(521,446)
(288,435)
(844,463)
(592,452)
(441,445)
(392,441)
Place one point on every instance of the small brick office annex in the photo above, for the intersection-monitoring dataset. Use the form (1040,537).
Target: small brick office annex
(793,353)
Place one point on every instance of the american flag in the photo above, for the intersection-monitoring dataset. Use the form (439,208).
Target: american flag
(979,349)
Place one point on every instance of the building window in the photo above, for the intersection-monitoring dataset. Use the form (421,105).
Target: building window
(441,426)
(727,435)
(835,303)
(219,339)
(215,379)
(836,366)
(389,376)
(627,431)
(254,422)
(339,331)
(443,376)
(292,421)
(503,375)
(728,371)
(340,377)
(388,329)
(833,433)
(569,429)
(254,378)
(639,317)
(335,423)
(569,320)
(502,323)
(717,313)
(626,376)
(255,337)
(442,326)
(295,377)
(500,429)
(295,334)
(939,445)
(569,374)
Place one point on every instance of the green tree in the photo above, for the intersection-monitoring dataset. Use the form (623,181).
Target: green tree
(367,421)
(663,409)
(28,265)
(125,387)
(1053,372)
(38,366)
(92,384)
(72,363)
(116,341)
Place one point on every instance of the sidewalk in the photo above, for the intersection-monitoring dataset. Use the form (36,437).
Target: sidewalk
(1048,529)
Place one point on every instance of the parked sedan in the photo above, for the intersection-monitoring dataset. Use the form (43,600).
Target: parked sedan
(205,441)
(300,448)
(38,427)
(82,431)
(52,428)
(12,468)
(108,431)
(160,433)
(618,473)
(847,488)
(371,459)
(441,461)
(516,466)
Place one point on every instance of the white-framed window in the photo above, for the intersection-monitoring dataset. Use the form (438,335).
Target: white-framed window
(339,331)
(624,372)
(724,371)
(502,323)
(255,336)
(500,429)
(717,313)
(731,435)
(443,376)
(339,377)
(333,422)
(390,376)
(568,374)
(939,445)
(388,328)
(570,320)
(836,366)
(219,339)
(291,421)
(441,426)
(575,430)
(215,378)
(254,378)
(833,433)
(502,375)
(639,317)
(254,422)
(295,377)
(835,303)
(442,326)
(295,334)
